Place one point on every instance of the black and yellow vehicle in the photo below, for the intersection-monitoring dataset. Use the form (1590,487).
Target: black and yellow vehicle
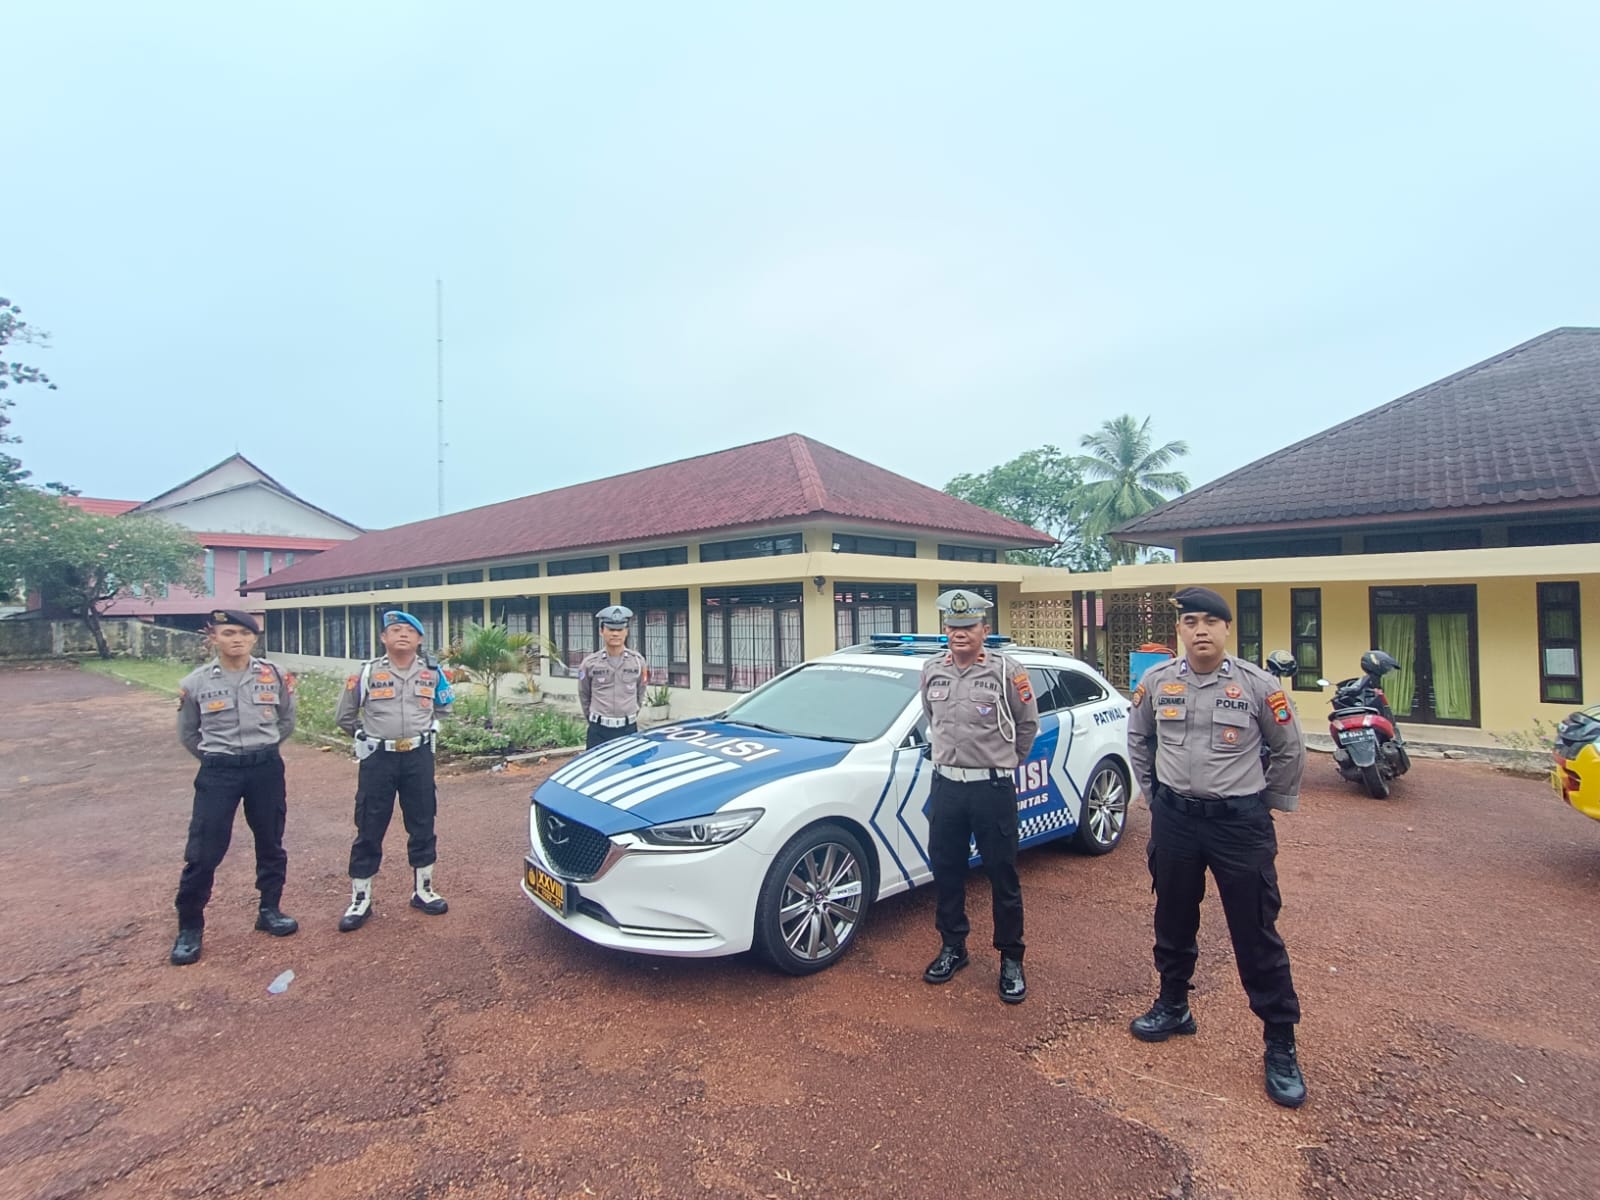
(1576,778)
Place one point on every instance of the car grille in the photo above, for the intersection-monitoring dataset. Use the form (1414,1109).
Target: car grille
(575,850)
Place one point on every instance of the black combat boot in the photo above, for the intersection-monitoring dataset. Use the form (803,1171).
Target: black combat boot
(187,948)
(1165,1018)
(270,920)
(1285,1084)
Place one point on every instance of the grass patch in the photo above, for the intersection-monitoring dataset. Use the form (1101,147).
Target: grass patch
(157,674)
(516,731)
(317,695)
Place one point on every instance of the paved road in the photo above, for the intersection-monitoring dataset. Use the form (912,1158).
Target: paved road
(1445,944)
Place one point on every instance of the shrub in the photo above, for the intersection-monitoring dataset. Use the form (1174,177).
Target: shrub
(467,731)
(317,696)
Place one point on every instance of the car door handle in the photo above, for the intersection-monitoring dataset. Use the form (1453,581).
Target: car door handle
(1076,728)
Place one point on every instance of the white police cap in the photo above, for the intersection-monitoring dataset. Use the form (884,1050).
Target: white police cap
(961,607)
(615,617)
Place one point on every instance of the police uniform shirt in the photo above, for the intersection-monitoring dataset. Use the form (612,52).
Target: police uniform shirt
(397,704)
(983,715)
(609,687)
(1202,734)
(235,712)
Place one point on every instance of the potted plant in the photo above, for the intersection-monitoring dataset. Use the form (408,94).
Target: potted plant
(656,701)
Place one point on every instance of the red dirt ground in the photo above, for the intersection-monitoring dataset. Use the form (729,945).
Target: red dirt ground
(1444,944)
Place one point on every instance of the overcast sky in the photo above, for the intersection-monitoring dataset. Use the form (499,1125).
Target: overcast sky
(933,236)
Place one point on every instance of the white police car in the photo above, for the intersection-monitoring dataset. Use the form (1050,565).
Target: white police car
(778,823)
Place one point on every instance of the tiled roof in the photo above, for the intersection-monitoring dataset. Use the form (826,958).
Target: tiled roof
(1514,429)
(101,508)
(265,541)
(784,478)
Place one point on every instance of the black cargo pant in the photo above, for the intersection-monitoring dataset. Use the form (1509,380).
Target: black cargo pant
(380,777)
(985,811)
(221,783)
(1236,840)
(600,734)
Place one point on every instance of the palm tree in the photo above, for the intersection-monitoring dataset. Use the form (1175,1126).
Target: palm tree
(1124,477)
(488,652)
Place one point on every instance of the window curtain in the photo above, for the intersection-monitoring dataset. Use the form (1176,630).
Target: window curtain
(1452,668)
(1397,634)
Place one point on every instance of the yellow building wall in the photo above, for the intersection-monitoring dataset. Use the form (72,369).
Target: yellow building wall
(1507,644)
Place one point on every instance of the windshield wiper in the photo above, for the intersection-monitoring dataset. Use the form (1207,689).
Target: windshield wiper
(825,737)
(753,725)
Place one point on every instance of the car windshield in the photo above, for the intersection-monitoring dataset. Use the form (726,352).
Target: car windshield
(838,701)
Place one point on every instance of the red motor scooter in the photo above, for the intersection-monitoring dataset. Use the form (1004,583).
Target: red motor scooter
(1367,746)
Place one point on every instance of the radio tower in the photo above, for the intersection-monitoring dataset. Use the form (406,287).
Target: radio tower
(438,309)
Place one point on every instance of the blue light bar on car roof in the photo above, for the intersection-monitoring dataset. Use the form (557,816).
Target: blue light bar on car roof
(929,639)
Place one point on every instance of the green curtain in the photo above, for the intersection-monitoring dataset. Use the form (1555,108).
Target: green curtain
(1452,669)
(1397,633)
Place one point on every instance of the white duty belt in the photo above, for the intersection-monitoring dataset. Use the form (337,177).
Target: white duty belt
(614,722)
(971,774)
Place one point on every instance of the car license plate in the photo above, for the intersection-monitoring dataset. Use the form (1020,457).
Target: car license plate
(547,889)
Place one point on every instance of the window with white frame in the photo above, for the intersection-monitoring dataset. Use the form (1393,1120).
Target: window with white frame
(751,634)
(861,610)
(572,629)
(661,633)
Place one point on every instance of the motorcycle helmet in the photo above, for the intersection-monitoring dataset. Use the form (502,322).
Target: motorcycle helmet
(1282,664)
(1377,662)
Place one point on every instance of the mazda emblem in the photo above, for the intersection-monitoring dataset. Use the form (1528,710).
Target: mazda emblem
(555,830)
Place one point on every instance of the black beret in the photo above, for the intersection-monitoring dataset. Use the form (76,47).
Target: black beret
(1201,600)
(232,616)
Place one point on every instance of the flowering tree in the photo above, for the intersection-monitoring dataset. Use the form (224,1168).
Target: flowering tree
(79,562)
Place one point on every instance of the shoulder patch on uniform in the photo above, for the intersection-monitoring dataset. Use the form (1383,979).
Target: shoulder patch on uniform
(350,683)
(183,694)
(1138,695)
(1278,705)
(1023,685)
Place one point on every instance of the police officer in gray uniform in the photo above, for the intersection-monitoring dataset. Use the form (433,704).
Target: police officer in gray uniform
(982,719)
(398,700)
(232,714)
(611,681)
(1195,735)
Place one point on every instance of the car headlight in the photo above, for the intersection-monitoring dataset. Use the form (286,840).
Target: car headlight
(702,832)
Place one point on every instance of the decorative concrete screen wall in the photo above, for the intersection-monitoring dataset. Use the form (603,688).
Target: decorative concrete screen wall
(1133,618)
(1046,623)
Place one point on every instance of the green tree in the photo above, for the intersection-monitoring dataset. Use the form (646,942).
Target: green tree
(1124,477)
(487,653)
(14,330)
(1038,488)
(80,562)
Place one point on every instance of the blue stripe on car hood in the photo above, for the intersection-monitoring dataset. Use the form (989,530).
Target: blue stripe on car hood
(676,772)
